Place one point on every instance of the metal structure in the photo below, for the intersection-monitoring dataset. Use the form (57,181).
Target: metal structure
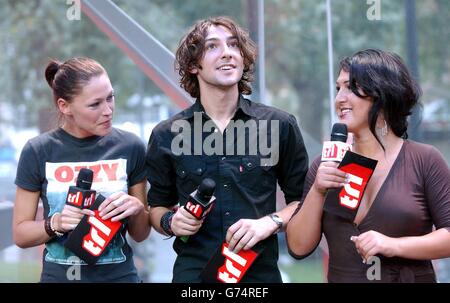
(255,17)
(153,58)
(330,64)
(150,55)
(412,58)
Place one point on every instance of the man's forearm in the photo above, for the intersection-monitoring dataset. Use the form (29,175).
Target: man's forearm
(286,213)
(156,214)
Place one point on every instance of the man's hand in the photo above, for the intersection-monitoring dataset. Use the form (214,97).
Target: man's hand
(185,224)
(245,233)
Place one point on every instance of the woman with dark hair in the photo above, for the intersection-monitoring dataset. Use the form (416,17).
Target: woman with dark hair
(408,193)
(50,163)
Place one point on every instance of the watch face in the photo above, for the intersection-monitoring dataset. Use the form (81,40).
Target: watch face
(277,220)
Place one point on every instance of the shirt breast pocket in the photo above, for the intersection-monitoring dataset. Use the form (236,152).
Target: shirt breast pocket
(190,173)
(258,178)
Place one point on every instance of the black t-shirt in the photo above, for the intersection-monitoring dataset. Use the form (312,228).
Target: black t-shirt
(50,163)
(246,181)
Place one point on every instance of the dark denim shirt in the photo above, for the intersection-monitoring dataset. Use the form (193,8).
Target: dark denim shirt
(246,181)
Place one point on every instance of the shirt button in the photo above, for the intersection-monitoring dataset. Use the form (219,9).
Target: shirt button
(225,185)
(216,130)
(223,158)
(199,171)
(249,165)
(227,213)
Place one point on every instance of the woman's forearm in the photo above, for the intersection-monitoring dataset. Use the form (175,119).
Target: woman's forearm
(435,245)
(304,229)
(30,233)
(139,226)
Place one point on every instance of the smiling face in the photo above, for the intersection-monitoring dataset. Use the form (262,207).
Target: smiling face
(222,64)
(90,112)
(351,109)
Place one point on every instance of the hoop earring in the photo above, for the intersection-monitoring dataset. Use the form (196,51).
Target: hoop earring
(383,130)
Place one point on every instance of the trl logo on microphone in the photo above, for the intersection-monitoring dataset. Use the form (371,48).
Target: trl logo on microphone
(81,199)
(100,234)
(351,194)
(236,265)
(334,150)
(198,210)
(195,209)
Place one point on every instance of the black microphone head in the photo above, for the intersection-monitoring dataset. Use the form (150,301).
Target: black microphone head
(339,132)
(85,177)
(206,189)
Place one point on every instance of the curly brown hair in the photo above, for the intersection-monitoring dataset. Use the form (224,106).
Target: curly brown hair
(192,48)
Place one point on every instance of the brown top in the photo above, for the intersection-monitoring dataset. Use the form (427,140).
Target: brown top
(414,196)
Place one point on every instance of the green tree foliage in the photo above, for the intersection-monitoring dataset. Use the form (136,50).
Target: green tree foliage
(32,32)
(434,37)
(296,46)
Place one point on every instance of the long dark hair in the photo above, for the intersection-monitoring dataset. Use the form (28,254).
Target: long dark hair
(384,77)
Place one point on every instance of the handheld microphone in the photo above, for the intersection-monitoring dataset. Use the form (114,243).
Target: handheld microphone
(335,149)
(92,235)
(201,201)
(81,195)
(344,202)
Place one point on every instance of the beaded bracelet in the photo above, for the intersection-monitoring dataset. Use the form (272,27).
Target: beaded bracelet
(50,229)
(166,222)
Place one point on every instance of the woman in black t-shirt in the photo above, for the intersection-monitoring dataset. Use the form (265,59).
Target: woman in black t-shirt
(50,163)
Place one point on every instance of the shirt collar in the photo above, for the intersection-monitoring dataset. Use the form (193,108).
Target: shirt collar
(244,105)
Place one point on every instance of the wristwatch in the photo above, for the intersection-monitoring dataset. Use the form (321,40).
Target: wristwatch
(275,218)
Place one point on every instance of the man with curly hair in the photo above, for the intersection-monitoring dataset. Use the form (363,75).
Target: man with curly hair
(244,146)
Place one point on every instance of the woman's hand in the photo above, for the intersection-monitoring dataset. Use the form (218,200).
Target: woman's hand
(69,218)
(329,176)
(371,243)
(119,206)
